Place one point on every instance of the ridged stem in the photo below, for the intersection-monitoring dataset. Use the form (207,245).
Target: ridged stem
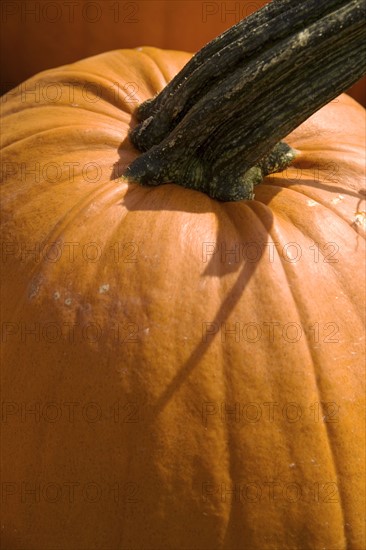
(217,127)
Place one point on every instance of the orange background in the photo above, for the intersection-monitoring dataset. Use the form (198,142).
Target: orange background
(40,34)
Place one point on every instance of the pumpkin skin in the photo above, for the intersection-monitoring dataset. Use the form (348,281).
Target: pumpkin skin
(155,470)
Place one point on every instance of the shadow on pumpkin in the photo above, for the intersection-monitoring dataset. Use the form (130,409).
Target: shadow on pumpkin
(254,219)
(170,197)
(238,223)
(227,305)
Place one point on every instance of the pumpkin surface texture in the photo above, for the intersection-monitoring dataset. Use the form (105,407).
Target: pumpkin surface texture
(177,372)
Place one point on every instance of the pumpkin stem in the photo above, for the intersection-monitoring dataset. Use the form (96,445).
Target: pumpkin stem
(217,127)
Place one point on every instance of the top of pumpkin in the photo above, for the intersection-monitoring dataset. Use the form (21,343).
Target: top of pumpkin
(217,126)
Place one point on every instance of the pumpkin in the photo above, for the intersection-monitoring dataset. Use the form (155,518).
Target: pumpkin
(177,372)
(162,349)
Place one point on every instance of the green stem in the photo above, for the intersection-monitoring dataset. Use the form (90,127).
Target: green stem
(209,67)
(217,128)
(245,27)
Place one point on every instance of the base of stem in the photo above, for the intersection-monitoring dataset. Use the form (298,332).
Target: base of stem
(159,166)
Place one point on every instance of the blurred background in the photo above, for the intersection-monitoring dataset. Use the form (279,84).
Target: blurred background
(40,34)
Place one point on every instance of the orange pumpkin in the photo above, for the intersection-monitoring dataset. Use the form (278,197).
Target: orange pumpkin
(177,372)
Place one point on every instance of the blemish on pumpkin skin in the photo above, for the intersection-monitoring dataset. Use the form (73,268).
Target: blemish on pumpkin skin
(35,287)
(312,203)
(33,292)
(103,289)
(56,295)
(360,218)
(68,301)
(337,199)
